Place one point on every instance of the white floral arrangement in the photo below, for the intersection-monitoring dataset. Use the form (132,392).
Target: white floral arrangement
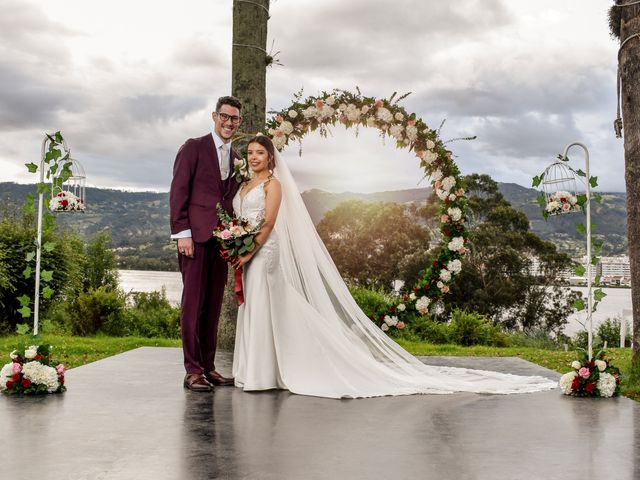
(66,202)
(591,378)
(561,202)
(32,372)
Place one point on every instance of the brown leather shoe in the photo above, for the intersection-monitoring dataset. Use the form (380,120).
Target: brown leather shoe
(196,382)
(214,378)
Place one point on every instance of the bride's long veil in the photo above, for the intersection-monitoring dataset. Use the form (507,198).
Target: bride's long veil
(309,269)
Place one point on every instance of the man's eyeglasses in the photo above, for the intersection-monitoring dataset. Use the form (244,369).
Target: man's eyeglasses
(225,118)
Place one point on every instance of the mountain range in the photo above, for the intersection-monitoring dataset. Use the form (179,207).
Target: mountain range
(139,227)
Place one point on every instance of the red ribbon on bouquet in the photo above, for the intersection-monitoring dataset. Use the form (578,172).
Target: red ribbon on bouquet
(237,277)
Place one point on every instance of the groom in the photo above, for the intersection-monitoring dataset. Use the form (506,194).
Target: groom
(202,178)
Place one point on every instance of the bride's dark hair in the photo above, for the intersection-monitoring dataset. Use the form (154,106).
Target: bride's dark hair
(268,145)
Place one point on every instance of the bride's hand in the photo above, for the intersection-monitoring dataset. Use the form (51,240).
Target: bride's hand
(239,262)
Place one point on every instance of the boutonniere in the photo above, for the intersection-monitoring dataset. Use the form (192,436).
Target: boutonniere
(241,170)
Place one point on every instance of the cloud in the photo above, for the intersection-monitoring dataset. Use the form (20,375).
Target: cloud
(525,77)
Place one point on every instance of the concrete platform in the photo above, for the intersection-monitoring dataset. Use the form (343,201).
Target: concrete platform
(128,417)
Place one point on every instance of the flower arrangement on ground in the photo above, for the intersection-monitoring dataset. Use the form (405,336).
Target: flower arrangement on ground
(591,378)
(66,202)
(562,202)
(32,371)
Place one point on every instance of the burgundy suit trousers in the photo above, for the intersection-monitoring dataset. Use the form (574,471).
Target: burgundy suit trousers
(203,278)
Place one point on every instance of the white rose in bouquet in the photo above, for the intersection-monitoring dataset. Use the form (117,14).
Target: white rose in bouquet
(456,244)
(455,213)
(445,275)
(384,114)
(601,364)
(292,114)
(402,307)
(286,127)
(396,131)
(576,364)
(31,352)
(422,305)
(454,266)
(448,183)
(412,132)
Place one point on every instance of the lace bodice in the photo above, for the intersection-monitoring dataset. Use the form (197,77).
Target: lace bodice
(252,205)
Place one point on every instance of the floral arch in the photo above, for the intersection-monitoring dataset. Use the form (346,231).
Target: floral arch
(408,131)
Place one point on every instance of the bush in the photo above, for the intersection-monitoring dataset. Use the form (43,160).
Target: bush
(428,330)
(99,309)
(475,329)
(150,315)
(536,338)
(373,302)
(609,331)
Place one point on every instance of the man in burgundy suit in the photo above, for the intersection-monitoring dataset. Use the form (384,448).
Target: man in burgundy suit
(202,178)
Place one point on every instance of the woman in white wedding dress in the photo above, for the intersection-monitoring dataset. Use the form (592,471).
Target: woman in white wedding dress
(299,328)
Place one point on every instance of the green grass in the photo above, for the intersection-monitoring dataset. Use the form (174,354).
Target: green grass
(76,351)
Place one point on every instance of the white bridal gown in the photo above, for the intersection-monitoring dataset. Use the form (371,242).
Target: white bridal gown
(300,330)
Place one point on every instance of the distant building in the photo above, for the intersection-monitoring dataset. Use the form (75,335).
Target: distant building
(616,270)
(611,270)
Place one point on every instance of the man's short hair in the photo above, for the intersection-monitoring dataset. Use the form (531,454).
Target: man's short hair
(228,100)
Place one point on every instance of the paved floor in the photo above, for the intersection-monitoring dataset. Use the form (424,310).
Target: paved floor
(128,417)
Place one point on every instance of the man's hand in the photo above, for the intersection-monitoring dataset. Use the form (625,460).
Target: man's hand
(185,247)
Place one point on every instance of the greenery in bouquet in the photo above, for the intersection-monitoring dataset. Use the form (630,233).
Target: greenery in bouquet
(594,377)
(235,235)
(32,371)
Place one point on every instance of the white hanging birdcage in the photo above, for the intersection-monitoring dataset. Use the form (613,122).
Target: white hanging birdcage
(560,189)
(70,195)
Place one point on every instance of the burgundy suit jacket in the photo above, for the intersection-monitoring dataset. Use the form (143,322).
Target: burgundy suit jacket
(197,188)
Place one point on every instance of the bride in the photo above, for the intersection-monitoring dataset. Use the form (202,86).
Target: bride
(300,329)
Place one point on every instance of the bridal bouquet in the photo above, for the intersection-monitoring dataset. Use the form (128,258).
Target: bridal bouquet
(591,378)
(32,372)
(66,202)
(236,237)
(562,202)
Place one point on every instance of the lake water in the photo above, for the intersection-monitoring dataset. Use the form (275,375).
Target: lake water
(616,303)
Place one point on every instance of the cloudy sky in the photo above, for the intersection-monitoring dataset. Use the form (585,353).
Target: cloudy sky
(128,81)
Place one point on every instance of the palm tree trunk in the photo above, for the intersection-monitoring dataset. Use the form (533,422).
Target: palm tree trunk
(625,22)
(249,62)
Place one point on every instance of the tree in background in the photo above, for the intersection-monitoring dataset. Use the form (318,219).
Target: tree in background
(624,21)
(496,279)
(65,261)
(249,62)
(367,241)
(100,269)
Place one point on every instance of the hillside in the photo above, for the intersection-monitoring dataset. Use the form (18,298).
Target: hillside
(139,227)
